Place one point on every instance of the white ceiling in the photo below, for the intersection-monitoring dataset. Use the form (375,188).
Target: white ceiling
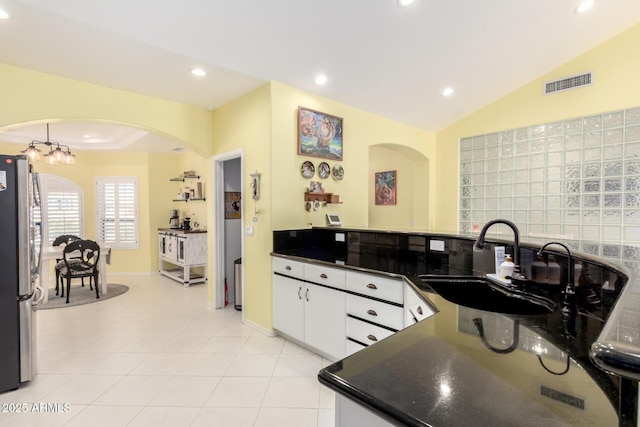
(378,57)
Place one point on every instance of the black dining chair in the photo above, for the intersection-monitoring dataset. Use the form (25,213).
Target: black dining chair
(63,240)
(88,252)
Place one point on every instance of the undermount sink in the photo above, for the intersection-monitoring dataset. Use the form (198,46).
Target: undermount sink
(483,294)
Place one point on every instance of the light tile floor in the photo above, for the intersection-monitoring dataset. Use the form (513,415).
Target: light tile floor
(158,356)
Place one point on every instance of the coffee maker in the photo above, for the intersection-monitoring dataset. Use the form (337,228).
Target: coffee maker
(174,221)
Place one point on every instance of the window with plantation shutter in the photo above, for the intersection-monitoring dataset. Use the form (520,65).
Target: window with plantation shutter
(117,211)
(62,208)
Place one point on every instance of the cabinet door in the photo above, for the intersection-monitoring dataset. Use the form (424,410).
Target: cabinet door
(325,327)
(195,249)
(288,306)
(181,242)
(162,240)
(171,248)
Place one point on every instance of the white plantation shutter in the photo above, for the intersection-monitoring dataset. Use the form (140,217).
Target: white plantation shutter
(62,207)
(117,211)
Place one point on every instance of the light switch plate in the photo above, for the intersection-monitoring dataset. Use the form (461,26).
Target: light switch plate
(249,230)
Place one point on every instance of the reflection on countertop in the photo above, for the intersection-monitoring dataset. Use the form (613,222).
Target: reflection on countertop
(446,370)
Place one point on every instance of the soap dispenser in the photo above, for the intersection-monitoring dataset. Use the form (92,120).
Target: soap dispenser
(506,268)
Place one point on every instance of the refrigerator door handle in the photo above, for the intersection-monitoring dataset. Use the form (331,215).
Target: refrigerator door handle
(39,289)
(27,340)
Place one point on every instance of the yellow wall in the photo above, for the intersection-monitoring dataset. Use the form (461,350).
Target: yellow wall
(412,178)
(616,67)
(361,131)
(154,189)
(264,124)
(29,96)
(245,123)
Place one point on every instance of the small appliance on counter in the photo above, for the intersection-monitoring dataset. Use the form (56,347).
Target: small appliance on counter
(186,224)
(174,221)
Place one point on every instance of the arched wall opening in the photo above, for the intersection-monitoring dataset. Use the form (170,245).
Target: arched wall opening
(411,209)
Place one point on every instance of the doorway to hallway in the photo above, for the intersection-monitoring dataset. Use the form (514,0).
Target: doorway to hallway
(228,212)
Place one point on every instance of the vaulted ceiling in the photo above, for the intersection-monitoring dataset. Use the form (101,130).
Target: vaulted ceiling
(391,61)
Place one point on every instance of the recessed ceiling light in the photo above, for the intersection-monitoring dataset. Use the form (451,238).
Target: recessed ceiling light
(447,91)
(584,6)
(321,79)
(3,14)
(198,72)
(86,136)
(404,3)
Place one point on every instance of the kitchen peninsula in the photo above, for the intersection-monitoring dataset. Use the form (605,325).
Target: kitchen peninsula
(469,364)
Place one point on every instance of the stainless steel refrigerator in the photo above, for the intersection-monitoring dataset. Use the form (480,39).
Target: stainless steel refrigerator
(19,266)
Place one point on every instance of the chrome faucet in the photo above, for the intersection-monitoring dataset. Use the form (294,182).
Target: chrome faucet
(479,243)
(569,309)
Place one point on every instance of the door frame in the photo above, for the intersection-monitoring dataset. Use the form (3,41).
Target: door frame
(218,221)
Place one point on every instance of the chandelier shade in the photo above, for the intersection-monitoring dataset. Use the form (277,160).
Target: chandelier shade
(56,154)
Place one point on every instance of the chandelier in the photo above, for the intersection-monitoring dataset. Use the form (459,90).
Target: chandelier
(55,156)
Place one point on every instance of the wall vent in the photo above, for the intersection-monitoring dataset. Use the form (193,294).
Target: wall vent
(567,83)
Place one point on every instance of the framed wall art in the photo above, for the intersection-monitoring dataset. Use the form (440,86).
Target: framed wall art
(385,188)
(319,134)
(232,205)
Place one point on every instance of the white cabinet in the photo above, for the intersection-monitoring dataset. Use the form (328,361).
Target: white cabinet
(311,314)
(288,306)
(349,413)
(415,308)
(183,256)
(337,311)
(324,321)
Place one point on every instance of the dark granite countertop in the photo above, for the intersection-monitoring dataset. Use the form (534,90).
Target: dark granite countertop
(181,231)
(440,372)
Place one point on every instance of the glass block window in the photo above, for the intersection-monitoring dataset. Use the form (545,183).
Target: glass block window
(577,181)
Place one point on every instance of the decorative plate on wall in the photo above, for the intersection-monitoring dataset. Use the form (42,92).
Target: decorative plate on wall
(337,172)
(308,170)
(324,170)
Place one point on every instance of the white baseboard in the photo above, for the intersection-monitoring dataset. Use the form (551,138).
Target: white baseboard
(266,331)
(133,273)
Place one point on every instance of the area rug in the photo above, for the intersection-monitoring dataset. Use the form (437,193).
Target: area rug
(81,295)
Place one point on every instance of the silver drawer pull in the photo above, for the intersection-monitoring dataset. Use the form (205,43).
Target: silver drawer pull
(288,268)
(419,310)
(299,289)
(372,337)
(323,276)
(372,286)
(372,313)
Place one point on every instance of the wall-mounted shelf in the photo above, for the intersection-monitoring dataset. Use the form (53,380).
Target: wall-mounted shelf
(321,197)
(183,178)
(195,199)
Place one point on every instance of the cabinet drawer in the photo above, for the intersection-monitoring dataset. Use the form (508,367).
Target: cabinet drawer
(288,267)
(415,307)
(334,277)
(375,311)
(384,288)
(365,332)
